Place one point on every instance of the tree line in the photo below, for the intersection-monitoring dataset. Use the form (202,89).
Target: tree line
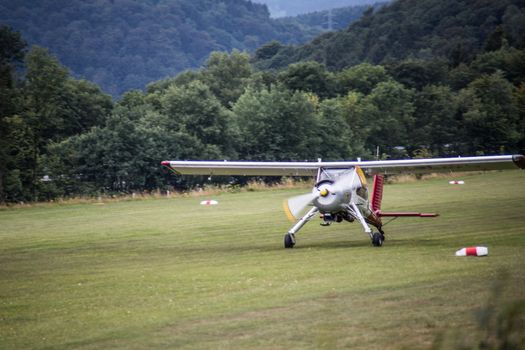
(65,137)
(60,136)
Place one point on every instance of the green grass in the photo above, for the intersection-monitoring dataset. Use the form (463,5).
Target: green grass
(169,273)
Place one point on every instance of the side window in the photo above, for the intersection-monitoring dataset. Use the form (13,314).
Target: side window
(362,192)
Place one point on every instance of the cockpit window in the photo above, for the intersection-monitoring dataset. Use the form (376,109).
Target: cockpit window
(331,174)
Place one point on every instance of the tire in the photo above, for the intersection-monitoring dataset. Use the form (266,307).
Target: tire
(377,239)
(288,241)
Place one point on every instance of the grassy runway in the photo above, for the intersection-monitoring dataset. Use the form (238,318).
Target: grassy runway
(169,273)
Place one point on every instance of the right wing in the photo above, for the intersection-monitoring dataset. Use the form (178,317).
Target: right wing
(428,165)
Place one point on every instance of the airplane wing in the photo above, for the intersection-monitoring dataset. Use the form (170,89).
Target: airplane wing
(429,165)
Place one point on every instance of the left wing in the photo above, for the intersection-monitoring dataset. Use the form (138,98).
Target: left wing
(428,165)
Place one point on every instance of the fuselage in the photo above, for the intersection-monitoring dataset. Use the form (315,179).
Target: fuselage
(338,192)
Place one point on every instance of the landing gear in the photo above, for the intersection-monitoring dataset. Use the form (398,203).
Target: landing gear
(377,239)
(289,240)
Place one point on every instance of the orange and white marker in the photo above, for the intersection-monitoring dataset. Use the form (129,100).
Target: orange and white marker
(473,251)
(457,182)
(209,202)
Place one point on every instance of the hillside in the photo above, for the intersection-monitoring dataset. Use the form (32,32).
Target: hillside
(126,44)
(287,8)
(335,19)
(422,29)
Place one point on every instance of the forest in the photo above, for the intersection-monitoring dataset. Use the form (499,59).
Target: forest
(288,8)
(61,136)
(125,44)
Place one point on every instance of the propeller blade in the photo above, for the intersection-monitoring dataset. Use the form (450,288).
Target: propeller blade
(293,207)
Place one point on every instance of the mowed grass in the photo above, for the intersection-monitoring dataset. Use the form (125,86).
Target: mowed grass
(169,273)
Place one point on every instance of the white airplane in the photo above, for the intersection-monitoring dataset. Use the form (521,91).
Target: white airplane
(341,190)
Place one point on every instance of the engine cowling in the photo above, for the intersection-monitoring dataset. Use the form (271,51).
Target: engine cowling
(330,198)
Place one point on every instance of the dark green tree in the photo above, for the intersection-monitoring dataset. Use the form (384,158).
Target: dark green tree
(388,112)
(194,110)
(416,74)
(277,124)
(339,140)
(362,78)
(44,107)
(227,75)
(490,115)
(436,125)
(12,51)
(86,105)
(308,76)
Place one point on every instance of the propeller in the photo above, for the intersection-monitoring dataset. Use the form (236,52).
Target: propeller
(293,207)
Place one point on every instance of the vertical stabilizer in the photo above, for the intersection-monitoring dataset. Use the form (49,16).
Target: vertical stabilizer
(377,193)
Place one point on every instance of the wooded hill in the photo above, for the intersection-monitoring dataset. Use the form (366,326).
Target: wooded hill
(60,136)
(126,44)
(453,30)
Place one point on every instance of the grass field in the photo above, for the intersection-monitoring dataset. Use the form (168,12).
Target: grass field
(169,273)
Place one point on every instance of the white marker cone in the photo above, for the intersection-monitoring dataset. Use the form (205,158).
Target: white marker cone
(457,182)
(209,202)
(473,251)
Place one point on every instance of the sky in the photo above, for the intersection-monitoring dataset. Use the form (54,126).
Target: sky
(282,8)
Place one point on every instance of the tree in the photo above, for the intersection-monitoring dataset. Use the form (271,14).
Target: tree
(490,115)
(339,140)
(416,74)
(495,39)
(388,110)
(193,109)
(510,61)
(308,76)
(45,109)
(227,75)
(436,126)
(520,98)
(276,124)
(362,78)
(12,51)
(268,50)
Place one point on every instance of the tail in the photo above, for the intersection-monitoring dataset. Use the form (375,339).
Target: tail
(377,193)
(377,197)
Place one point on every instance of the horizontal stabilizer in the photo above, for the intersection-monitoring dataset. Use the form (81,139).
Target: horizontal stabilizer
(407,214)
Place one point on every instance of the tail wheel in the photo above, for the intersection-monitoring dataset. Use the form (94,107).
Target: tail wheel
(377,239)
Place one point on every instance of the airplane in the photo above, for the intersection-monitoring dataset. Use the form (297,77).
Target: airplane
(341,189)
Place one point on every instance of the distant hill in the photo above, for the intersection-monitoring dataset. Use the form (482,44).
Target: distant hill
(454,30)
(126,44)
(329,20)
(288,8)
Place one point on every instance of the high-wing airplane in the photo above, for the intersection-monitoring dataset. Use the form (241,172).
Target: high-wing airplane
(341,190)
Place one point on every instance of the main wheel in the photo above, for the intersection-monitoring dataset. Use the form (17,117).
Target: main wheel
(288,241)
(377,239)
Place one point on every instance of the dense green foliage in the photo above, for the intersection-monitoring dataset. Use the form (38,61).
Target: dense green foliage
(125,44)
(454,30)
(64,137)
